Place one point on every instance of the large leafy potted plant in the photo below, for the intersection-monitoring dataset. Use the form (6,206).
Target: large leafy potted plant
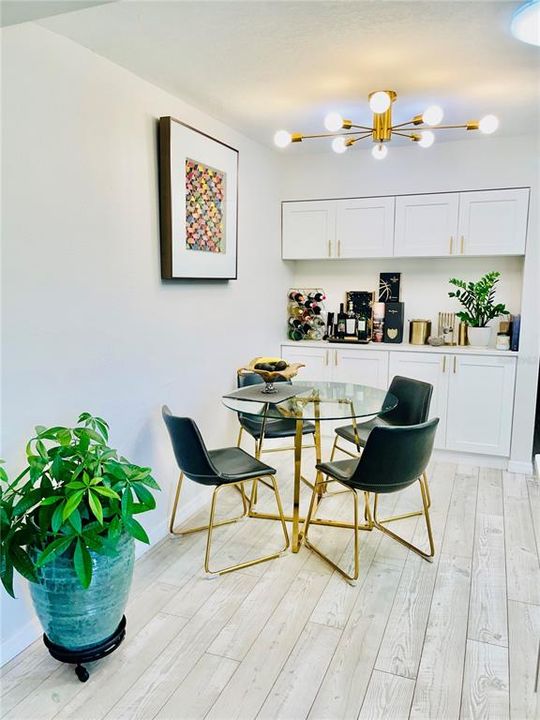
(68,525)
(478,298)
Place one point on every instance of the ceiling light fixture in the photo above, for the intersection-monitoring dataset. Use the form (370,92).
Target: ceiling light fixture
(419,129)
(525,24)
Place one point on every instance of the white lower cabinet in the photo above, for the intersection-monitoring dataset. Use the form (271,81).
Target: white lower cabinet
(480,404)
(431,369)
(473,395)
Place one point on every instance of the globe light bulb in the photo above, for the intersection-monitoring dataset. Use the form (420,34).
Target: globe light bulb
(427,138)
(379,152)
(488,124)
(433,115)
(282,138)
(379,102)
(338,145)
(333,122)
(525,24)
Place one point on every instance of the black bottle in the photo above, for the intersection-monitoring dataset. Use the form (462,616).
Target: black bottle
(341,322)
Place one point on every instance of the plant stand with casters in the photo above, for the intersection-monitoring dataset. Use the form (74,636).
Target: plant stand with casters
(89,654)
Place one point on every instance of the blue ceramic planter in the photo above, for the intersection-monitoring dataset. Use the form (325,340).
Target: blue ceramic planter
(77,618)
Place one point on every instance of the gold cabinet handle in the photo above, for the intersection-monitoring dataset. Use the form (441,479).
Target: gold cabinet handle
(326,358)
(335,357)
(455,360)
(329,248)
(451,243)
(444,363)
(339,248)
(462,241)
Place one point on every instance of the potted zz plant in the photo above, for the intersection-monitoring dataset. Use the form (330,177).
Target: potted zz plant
(68,526)
(478,298)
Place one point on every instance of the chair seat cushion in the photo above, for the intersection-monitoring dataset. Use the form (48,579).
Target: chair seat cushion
(234,464)
(363,430)
(339,469)
(275,428)
(342,470)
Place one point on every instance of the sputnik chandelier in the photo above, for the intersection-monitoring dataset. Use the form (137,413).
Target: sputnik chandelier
(419,129)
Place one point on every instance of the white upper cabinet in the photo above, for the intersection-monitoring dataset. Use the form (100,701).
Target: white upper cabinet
(480,404)
(426,225)
(493,222)
(365,227)
(308,229)
(484,222)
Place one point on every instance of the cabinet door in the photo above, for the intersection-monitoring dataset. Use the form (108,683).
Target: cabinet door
(426,225)
(316,361)
(493,222)
(308,229)
(480,404)
(365,367)
(365,228)
(431,368)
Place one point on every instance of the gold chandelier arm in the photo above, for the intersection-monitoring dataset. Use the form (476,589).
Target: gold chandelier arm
(351,142)
(403,124)
(411,136)
(362,127)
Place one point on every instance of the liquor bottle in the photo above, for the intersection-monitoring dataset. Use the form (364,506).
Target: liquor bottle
(330,324)
(317,296)
(351,323)
(341,322)
(296,296)
(363,329)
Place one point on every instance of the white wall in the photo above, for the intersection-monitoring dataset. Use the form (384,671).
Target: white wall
(471,164)
(87,323)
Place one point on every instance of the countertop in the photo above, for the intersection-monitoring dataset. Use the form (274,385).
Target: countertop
(405,347)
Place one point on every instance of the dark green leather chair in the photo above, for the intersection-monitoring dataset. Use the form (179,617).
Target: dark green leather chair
(393,459)
(414,399)
(220,468)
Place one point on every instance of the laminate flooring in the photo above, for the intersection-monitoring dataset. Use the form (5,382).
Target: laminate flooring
(290,639)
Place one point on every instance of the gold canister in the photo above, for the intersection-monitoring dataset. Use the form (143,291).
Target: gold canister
(419,331)
(462,337)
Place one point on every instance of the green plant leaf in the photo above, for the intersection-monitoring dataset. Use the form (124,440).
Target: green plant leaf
(57,519)
(144,495)
(51,500)
(75,521)
(106,492)
(6,576)
(83,563)
(136,530)
(72,502)
(95,506)
(22,562)
(53,550)
(28,501)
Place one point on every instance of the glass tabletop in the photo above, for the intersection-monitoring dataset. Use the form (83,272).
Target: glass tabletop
(312,400)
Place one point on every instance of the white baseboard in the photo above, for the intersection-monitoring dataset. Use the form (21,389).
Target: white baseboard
(461,458)
(31,631)
(520,467)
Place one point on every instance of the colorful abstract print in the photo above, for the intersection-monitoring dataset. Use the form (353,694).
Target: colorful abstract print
(205,210)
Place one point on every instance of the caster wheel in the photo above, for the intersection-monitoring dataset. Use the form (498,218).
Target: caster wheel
(82,673)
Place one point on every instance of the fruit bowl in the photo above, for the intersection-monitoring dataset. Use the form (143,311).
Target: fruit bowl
(271,373)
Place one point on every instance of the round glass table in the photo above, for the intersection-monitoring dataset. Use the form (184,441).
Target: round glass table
(313,401)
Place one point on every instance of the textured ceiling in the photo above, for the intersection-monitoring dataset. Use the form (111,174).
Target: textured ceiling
(261,66)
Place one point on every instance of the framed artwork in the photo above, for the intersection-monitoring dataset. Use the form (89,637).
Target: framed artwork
(198,204)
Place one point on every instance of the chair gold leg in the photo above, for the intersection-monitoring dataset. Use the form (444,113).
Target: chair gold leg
(414,513)
(425,503)
(188,531)
(240,432)
(247,563)
(312,509)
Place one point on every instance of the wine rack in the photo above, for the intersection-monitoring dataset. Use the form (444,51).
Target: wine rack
(307,316)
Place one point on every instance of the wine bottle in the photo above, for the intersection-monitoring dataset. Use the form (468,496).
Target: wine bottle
(295,322)
(351,324)
(341,322)
(295,334)
(317,296)
(296,296)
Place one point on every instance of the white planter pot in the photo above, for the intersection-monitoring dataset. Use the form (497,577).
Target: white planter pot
(479,336)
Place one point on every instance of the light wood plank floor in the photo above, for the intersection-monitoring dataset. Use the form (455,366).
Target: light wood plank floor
(289,639)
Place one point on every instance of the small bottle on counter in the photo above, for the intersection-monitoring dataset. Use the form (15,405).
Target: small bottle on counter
(503,341)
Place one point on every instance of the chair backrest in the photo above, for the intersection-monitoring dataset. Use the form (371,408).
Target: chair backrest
(394,457)
(189,448)
(414,399)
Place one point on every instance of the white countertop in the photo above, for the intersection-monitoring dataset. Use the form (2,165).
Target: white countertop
(404,347)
